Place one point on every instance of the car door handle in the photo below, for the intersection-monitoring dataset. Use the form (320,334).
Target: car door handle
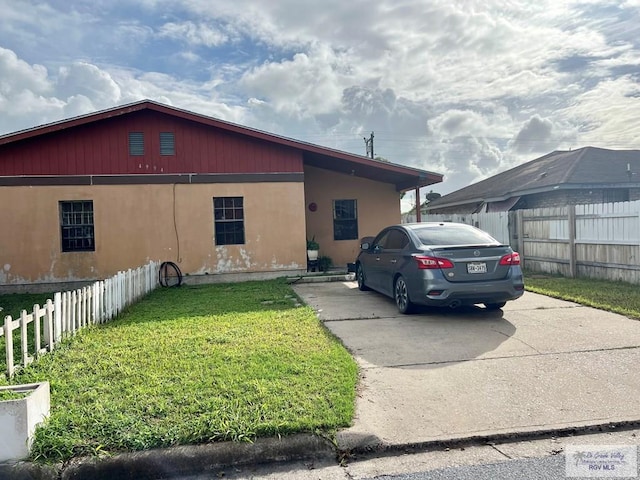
(377,259)
(394,261)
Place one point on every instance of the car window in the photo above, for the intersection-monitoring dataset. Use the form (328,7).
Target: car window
(392,240)
(453,235)
(397,240)
(382,240)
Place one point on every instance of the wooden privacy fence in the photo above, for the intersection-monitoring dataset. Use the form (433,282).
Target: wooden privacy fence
(592,240)
(71,311)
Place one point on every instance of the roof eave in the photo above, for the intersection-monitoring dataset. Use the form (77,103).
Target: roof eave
(533,191)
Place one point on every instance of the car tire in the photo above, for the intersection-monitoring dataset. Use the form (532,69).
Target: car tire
(360,277)
(495,306)
(401,296)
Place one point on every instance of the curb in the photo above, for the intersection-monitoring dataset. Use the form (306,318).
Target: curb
(182,461)
(342,277)
(350,444)
(179,461)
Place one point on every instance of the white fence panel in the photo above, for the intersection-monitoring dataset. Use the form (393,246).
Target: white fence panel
(609,223)
(74,310)
(495,224)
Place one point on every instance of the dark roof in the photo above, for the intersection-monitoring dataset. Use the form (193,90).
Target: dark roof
(404,178)
(587,167)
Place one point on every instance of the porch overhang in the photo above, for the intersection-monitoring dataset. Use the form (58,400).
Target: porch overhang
(402,177)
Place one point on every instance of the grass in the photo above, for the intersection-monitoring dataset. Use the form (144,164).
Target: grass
(13,304)
(12,395)
(194,365)
(617,297)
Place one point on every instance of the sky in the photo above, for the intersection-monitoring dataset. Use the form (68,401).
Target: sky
(466,89)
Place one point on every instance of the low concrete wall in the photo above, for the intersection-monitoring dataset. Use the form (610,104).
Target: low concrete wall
(19,418)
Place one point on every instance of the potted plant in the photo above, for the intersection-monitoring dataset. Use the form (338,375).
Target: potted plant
(312,249)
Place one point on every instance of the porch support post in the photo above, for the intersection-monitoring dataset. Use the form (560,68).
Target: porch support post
(418,213)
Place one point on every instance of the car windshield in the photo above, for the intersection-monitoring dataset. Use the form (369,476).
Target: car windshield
(453,235)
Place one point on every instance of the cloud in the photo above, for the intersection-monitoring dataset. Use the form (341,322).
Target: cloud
(194,33)
(90,82)
(536,135)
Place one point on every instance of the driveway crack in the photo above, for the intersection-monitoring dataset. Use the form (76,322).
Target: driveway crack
(518,339)
(503,357)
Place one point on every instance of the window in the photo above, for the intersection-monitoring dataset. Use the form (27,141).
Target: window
(167,143)
(76,226)
(228,213)
(136,143)
(345,220)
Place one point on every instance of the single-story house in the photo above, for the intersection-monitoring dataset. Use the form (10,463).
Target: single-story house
(586,175)
(83,198)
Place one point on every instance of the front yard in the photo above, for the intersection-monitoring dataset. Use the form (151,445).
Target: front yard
(193,365)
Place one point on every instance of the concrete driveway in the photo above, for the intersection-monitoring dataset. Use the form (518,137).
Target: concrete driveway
(538,365)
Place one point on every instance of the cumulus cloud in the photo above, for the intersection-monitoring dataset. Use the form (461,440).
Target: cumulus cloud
(535,135)
(90,82)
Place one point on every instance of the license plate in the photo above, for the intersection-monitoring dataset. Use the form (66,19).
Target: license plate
(476,268)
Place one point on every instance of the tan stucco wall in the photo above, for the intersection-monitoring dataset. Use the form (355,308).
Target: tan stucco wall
(135,224)
(378,206)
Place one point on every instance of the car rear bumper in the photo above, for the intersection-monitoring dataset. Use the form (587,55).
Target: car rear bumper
(442,294)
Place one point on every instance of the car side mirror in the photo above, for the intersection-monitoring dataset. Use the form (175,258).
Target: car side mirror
(366,243)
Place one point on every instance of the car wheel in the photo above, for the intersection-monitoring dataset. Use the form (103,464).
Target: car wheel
(495,306)
(360,277)
(401,296)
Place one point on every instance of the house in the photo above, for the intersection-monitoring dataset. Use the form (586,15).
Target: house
(586,175)
(83,198)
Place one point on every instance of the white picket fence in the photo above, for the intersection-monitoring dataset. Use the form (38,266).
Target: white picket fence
(71,311)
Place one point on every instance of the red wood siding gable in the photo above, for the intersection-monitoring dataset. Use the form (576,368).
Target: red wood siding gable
(101,147)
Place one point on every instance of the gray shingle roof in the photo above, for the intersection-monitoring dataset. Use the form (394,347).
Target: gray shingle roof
(585,167)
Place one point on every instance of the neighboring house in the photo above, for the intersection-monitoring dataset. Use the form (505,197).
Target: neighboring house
(83,198)
(586,175)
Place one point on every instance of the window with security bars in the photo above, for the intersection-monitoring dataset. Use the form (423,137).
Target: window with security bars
(345,220)
(228,213)
(136,143)
(167,143)
(76,226)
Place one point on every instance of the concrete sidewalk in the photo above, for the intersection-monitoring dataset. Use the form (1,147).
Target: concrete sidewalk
(541,365)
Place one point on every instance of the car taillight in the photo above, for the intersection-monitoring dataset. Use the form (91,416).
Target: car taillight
(511,259)
(428,263)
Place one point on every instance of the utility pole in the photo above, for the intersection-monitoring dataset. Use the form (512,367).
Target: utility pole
(368,142)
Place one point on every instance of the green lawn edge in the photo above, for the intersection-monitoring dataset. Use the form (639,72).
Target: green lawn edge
(194,365)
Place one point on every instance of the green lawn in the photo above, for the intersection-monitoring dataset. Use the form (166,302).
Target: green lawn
(618,297)
(12,305)
(193,365)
